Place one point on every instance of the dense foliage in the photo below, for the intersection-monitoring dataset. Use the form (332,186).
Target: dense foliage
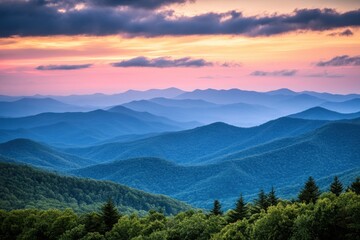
(25,187)
(330,217)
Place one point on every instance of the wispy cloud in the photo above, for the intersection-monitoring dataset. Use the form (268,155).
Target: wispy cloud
(281,73)
(337,61)
(162,62)
(29,18)
(346,33)
(324,74)
(62,67)
(214,77)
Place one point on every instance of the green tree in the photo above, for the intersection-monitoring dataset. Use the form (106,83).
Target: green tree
(93,222)
(240,230)
(109,214)
(217,208)
(240,210)
(310,192)
(276,224)
(355,186)
(272,199)
(262,201)
(336,186)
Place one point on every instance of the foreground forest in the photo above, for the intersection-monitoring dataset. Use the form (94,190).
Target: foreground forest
(331,215)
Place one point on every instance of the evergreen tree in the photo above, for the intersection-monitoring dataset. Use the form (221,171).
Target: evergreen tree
(336,186)
(240,210)
(310,192)
(272,199)
(262,201)
(217,208)
(110,215)
(355,186)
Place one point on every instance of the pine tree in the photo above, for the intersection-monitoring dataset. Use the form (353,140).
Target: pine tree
(310,192)
(240,210)
(217,208)
(109,214)
(272,199)
(336,186)
(355,186)
(262,202)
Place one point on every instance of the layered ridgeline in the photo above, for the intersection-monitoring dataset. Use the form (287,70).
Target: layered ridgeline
(29,152)
(230,159)
(349,106)
(33,106)
(319,113)
(233,106)
(240,114)
(103,100)
(26,187)
(81,128)
(330,150)
(199,145)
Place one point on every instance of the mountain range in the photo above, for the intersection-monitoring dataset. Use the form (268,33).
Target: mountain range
(193,146)
(84,128)
(319,113)
(329,150)
(29,152)
(200,144)
(33,106)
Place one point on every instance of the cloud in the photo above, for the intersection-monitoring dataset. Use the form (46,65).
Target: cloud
(324,74)
(337,61)
(346,33)
(62,67)
(72,4)
(162,62)
(214,77)
(28,18)
(281,73)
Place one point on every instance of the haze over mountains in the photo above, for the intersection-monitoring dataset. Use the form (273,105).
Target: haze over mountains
(329,150)
(193,146)
(81,128)
(233,106)
(32,106)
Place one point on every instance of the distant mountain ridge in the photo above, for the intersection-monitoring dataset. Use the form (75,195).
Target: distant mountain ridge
(201,144)
(240,114)
(349,106)
(36,154)
(329,150)
(33,106)
(319,113)
(86,128)
(105,100)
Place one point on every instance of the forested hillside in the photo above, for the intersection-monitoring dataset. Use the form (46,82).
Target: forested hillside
(332,215)
(25,187)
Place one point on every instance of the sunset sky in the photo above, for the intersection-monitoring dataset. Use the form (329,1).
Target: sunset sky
(75,47)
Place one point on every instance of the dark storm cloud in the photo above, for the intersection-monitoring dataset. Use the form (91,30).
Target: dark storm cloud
(69,4)
(63,67)
(162,62)
(344,60)
(34,19)
(282,73)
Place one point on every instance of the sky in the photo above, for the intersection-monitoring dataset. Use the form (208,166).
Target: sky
(62,47)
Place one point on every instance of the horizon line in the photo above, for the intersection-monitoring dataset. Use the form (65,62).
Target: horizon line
(168,88)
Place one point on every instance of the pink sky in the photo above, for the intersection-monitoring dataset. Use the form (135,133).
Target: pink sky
(295,51)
